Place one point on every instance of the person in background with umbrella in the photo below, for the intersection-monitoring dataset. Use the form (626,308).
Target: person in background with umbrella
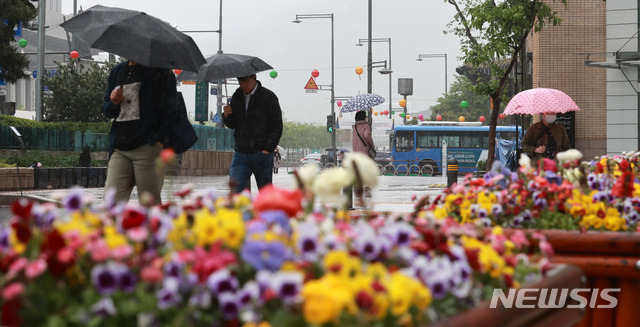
(137,99)
(545,139)
(255,114)
(361,139)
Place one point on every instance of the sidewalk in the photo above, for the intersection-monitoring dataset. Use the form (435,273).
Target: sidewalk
(393,193)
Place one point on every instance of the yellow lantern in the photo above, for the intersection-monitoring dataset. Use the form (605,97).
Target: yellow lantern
(375,113)
(408,116)
(403,103)
(461,119)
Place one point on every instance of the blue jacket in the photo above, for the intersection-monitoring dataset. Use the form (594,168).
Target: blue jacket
(157,88)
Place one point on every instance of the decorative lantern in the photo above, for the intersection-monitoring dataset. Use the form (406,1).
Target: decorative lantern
(375,113)
(408,116)
(393,112)
(461,119)
(386,112)
(177,71)
(339,103)
(464,104)
(502,116)
(315,73)
(438,118)
(359,70)
(403,103)
(273,74)
(74,54)
(402,114)
(481,119)
(22,43)
(420,116)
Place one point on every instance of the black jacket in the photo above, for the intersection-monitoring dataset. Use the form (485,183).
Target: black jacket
(260,126)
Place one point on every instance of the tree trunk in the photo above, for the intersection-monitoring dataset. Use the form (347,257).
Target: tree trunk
(493,122)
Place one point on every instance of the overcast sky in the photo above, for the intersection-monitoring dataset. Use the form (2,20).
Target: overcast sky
(264,29)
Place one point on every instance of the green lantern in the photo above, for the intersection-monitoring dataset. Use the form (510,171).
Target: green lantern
(393,112)
(22,43)
(464,104)
(402,114)
(273,74)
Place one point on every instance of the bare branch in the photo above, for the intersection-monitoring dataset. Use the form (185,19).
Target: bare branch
(464,22)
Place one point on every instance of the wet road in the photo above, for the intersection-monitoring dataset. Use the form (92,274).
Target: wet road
(393,193)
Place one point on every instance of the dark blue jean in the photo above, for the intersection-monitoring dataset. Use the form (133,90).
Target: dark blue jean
(244,164)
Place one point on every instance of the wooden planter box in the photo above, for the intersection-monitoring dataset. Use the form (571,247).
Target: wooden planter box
(562,276)
(609,260)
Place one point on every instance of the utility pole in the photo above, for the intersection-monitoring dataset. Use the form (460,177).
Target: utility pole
(42,5)
(369,68)
(219,86)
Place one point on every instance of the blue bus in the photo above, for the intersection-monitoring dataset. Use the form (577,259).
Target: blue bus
(418,148)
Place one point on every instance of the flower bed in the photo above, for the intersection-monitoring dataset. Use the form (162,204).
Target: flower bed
(238,261)
(589,212)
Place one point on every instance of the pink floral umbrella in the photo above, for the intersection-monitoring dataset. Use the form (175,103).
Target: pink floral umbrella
(540,101)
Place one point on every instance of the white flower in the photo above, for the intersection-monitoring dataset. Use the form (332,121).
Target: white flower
(569,155)
(524,161)
(367,168)
(307,174)
(329,184)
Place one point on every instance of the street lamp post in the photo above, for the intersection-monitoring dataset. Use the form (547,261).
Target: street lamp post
(333,114)
(437,55)
(42,5)
(386,71)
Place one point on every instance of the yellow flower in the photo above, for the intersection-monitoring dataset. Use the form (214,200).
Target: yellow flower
(440,213)
(325,299)
(377,271)
(233,229)
(205,228)
(16,245)
(113,238)
(613,221)
(341,263)
(179,232)
(400,294)
(380,305)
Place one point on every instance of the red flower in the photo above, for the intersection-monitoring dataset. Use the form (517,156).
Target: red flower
(273,198)
(623,188)
(207,262)
(364,300)
(472,256)
(132,218)
(22,208)
(549,164)
(599,168)
(10,313)
(22,229)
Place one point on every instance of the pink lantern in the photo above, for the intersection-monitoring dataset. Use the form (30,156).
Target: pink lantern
(438,118)
(74,54)
(386,112)
(339,103)
(420,116)
(481,119)
(315,73)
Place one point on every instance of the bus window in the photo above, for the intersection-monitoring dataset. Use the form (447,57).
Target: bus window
(453,141)
(404,141)
(425,140)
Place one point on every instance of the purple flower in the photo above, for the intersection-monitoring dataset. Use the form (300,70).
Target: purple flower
(173,269)
(517,221)
(200,299)
(526,216)
(277,217)
(308,246)
(484,222)
(368,246)
(482,213)
(106,277)
(110,199)
(222,281)
(402,233)
(228,304)
(540,202)
(73,200)
(127,281)
(264,255)
(167,298)
(249,293)
(496,209)
(552,177)
(632,218)
(104,307)
(287,285)
(4,238)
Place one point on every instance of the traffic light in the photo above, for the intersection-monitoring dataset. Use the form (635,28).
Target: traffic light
(330,121)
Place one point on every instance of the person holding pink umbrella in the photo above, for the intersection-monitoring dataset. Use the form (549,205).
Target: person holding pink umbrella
(545,139)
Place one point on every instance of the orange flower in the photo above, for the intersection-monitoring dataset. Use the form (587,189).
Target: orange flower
(273,198)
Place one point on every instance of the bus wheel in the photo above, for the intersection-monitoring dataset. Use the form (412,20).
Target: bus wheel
(429,168)
(414,170)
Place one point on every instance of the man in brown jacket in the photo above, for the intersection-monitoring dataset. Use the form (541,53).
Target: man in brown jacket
(545,139)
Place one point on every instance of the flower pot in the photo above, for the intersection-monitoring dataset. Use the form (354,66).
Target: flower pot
(609,260)
(562,276)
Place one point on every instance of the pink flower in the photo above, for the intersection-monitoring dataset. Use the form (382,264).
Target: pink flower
(35,268)
(519,239)
(99,251)
(12,291)
(74,239)
(458,188)
(16,266)
(65,255)
(186,256)
(137,234)
(151,275)
(122,252)
(546,249)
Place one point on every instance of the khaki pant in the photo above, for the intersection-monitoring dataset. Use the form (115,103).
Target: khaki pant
(135,168)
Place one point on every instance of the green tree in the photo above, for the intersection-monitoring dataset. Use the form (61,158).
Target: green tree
(492,33)
(461,90)
(13,63)
(76,93)
(297,135)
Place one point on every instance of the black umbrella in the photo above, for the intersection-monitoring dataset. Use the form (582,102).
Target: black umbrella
(137,36)
(226,65)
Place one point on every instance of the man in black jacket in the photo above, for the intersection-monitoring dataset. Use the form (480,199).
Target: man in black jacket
(254,113)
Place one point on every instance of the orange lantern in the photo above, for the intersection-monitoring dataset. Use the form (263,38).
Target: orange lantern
(438,118)
(74,54)
(375,113)
(359,70)
(403,103)
(408,116)
(502,116)
(461,119)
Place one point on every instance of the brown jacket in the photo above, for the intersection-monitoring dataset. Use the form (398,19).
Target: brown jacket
(533,139)
(364,129)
